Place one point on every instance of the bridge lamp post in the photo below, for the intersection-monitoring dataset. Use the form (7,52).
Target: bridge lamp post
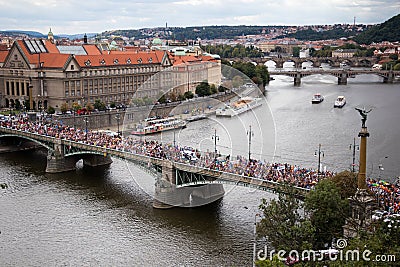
(215,137)
(255,238)
(118,117)
(381,168)
(86,120)
(250,134)
(319,152)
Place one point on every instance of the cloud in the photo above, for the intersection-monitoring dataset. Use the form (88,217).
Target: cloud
(75,16)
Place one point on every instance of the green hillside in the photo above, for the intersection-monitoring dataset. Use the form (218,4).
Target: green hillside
(387,31)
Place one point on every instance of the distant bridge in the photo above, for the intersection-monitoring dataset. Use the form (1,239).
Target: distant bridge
(341,74)
(176,183)
(316,61)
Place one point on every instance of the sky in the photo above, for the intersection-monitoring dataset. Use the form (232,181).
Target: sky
(88,16)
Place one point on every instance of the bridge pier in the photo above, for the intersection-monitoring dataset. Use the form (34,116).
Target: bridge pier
(342,79)
(57,163)
(389,78)
(297,79)
(168,195)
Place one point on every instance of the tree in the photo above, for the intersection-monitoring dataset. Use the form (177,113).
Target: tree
(221,88)
(203,89)
(396,67)
(181,97)
(17,105)
(393,57)
(213,89)
(296,51)
(64,107)
(99,105)
(51,110)
(89,107)
(328,212)
(162,99)
(346,182)
(283,225)
(188,95)
(76,106)
(173,96)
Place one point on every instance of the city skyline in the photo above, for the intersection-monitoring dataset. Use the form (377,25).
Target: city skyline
(73,17)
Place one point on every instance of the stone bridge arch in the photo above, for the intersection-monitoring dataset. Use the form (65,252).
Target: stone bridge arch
(49,146)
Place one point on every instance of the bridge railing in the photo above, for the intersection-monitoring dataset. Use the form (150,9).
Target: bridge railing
(212,173)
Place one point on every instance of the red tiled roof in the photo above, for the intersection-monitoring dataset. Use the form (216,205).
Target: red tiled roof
(32,58)
(91,49)
(177,60)
(121,58)
(3,55)
(51,47)
(51,60)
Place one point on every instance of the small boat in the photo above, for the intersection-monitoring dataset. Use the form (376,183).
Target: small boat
(156,125)
(242,105)
(340,102)
(317,98)
(196,117)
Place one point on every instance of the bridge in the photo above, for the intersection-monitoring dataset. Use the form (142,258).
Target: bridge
(341,74)
(316,61)
(177,183)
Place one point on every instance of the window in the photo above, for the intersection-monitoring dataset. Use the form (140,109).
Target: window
(72,67)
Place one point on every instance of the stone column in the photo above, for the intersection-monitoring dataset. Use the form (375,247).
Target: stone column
(342,79)
(297,79)
(361,179)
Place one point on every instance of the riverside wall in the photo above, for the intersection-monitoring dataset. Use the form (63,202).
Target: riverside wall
(129,117)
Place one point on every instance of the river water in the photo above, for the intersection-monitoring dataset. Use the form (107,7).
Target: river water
(105,217)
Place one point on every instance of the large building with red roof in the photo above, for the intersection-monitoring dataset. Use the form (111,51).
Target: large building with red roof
(38,74)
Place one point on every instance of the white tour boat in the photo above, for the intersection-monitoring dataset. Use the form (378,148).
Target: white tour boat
(317,98)
(156,125)
(242,105)
(340,102)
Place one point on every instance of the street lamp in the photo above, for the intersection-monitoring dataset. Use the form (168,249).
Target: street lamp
(250,134)
(86,120)
(381,168)
(255,238)
(215,137)
(319,152)
(118,117)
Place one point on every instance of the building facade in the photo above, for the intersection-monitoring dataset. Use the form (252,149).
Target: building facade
(36,74)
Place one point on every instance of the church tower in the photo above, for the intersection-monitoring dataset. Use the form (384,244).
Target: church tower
(50,36)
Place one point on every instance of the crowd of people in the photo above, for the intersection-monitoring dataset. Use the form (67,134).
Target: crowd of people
(387,194)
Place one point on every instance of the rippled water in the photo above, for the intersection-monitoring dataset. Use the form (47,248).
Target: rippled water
(105,217)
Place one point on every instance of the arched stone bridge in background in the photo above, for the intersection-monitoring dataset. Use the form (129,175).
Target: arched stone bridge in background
(316,61)
(342,74)
(177,183)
